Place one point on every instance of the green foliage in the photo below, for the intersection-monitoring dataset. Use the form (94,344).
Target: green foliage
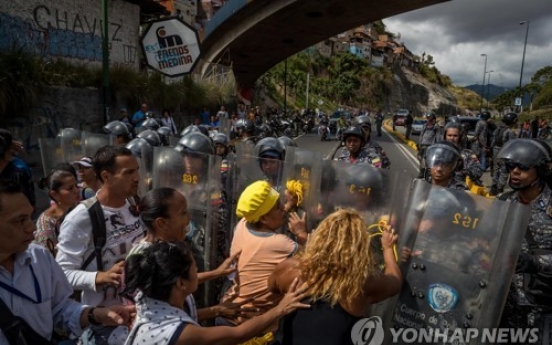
(343,79)
(20,82)
(24,80)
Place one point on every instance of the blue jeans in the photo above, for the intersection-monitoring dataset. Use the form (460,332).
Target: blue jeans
(483,161)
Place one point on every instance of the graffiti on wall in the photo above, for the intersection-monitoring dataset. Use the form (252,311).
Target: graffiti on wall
(43,121)
(55,33)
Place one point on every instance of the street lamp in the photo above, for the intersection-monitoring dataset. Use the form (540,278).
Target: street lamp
(523,58)
(483,84)
(488,88)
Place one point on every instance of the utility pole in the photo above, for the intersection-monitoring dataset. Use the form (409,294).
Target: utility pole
(105,61)
(285,86)
(523,60)
(307,101)
(483,84)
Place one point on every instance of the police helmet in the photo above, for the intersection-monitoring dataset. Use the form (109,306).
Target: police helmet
(364,176)
(70,134)
(510,119)
(138,146)
(527,153)
(164,134)
(287,141)
(354,131)
(244,125)
(221,139)
(443,153)
(270,148)
(193,128)
(151,136)
(130,128)
(195,142)
(453,119)
(151,123)
(116,128)
(485,115)
(362,121)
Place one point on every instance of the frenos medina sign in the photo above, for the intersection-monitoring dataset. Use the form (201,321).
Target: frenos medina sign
(171,47)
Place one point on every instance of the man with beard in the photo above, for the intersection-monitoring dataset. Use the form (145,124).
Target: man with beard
(91,266)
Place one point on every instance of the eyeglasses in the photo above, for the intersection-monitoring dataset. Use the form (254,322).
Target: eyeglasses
(512,165)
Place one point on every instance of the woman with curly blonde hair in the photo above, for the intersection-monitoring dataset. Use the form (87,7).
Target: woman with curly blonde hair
(343,279)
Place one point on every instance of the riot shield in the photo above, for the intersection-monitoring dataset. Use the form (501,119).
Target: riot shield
(249,168)
(50,153)
(145,171)
(71,144)
(173,140)
(197,177)
(302,176)
(225,126)
(92,142)
(458,254)
(359,186)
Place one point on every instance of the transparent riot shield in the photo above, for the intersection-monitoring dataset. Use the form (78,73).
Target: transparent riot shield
(360,186)
(92,142)
(458,253)
(225,126)
(302,176)
(145,171)
(197,177)
(51,153)
(249,168)
(71,145)
(173,140)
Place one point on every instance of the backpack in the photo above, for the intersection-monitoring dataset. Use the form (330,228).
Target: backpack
(498,135)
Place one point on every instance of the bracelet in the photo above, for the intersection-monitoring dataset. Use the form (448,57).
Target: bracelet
(90,317)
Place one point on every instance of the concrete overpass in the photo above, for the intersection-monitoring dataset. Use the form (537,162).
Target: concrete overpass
(255,35)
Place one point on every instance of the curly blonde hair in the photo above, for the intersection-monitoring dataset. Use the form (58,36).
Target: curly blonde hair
(338,261)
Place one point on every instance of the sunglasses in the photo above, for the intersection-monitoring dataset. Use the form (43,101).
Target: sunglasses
(511,166)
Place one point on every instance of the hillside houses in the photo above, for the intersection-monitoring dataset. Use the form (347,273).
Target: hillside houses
(366,43)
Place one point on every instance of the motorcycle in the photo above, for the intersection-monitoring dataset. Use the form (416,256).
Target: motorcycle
(323,131)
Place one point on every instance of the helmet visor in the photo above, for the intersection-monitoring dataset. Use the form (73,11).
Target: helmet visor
(441,156)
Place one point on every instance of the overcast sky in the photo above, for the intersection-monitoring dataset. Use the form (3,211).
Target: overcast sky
(457,32)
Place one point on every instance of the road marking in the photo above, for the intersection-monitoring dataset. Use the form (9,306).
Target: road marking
(411,158)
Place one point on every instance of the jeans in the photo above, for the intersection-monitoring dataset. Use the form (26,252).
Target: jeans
(483,160)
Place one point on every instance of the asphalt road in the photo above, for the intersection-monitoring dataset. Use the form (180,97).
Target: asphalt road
(403,158)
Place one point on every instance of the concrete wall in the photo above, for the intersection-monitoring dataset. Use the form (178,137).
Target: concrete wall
(71,29)
(62,107)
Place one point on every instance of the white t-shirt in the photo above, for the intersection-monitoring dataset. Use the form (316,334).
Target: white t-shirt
(76,244)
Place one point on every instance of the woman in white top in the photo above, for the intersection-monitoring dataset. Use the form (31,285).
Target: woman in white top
(168,121)
(165,274)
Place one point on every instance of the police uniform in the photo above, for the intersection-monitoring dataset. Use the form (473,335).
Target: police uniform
(500,173)
(519,311)
(469,166)
(368,154)
(481,134)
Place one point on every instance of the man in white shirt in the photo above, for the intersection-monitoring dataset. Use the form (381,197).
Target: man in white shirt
(32,285)
(117,168)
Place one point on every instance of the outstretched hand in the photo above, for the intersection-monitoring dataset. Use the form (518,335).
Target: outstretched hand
(292,299)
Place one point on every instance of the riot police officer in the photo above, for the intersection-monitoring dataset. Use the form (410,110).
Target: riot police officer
(271,154)
(356,151)
(245,130)
(441,160)
(502,134)
(371,145)
(529,302)
(119,130)
(469,163)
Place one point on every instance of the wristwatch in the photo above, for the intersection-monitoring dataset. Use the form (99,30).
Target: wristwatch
(90,317)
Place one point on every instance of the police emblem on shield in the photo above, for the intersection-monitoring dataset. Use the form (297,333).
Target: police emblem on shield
(442,298)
